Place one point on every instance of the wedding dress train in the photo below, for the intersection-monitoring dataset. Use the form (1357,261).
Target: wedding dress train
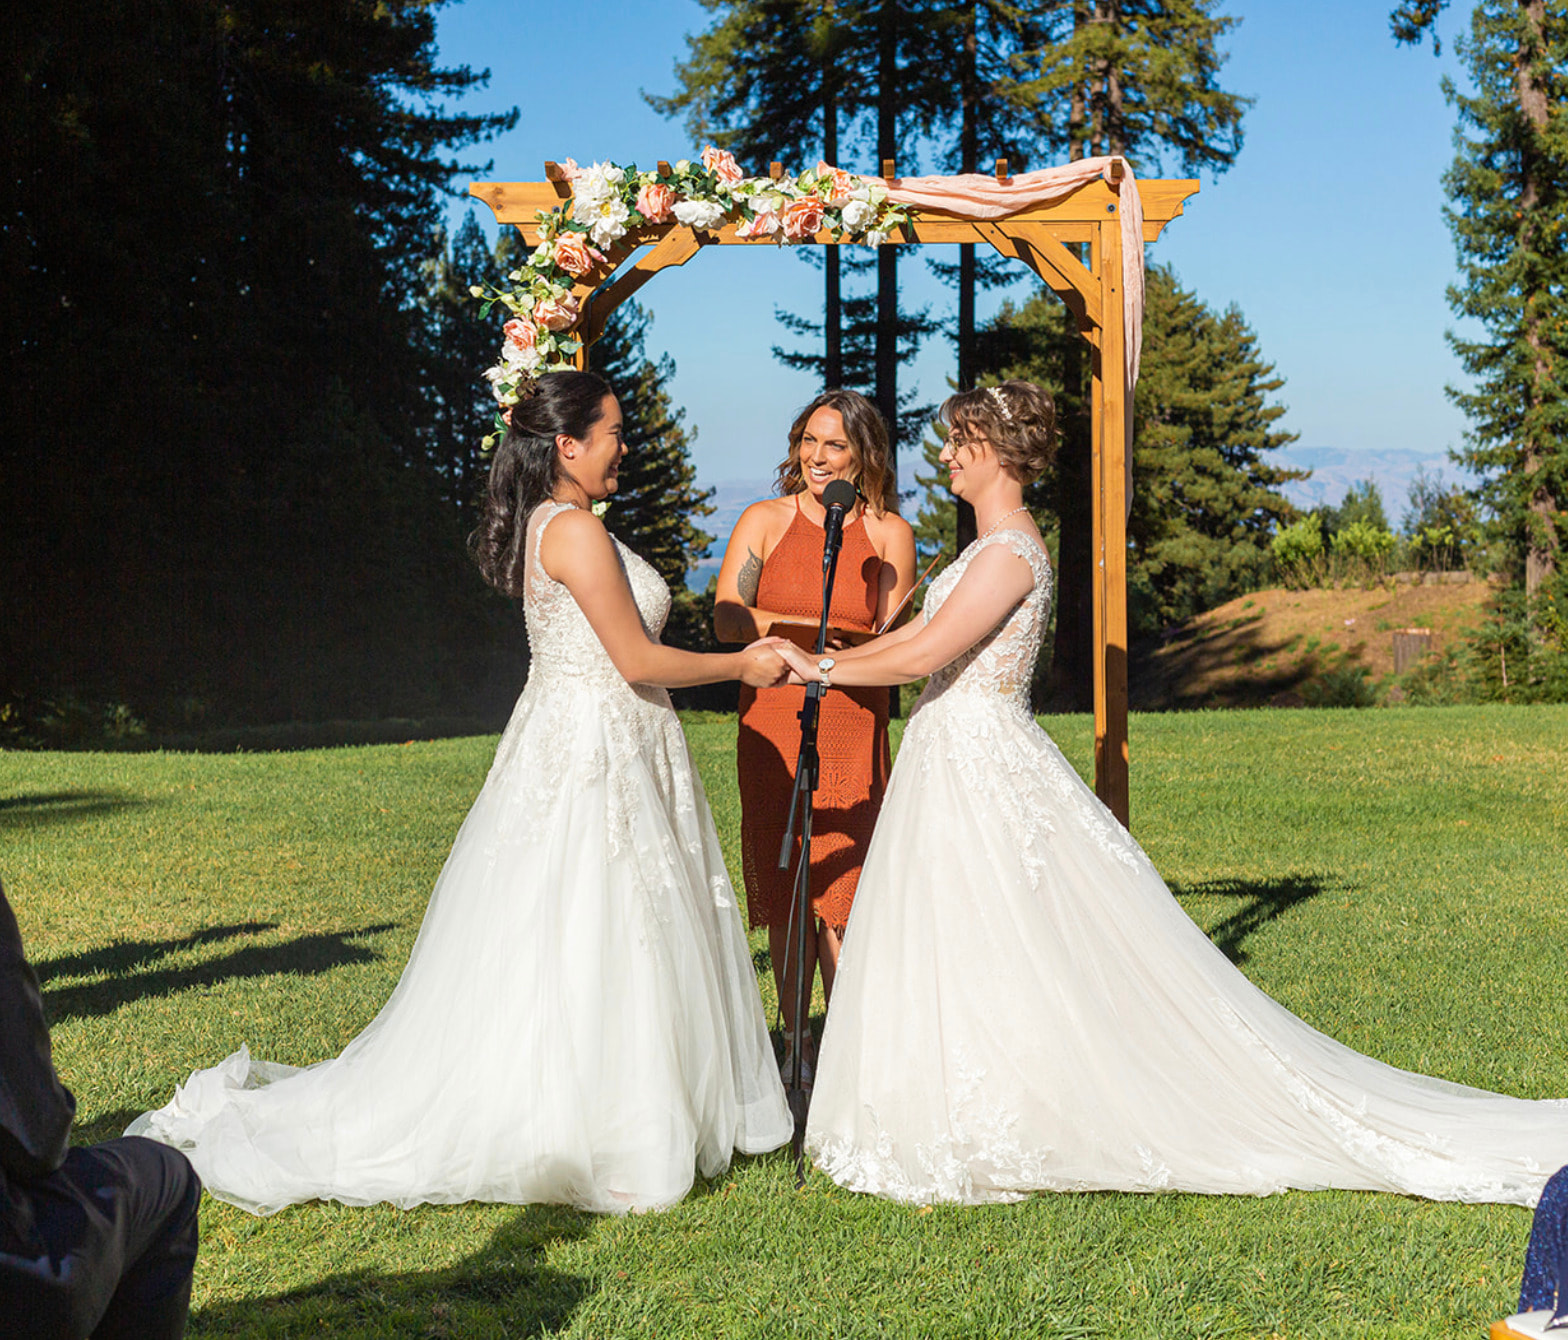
(579,1019)
(1021,1005)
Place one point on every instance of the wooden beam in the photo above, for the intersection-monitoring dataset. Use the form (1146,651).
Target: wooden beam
(1110,455)
(519,202)
(664,168)
(889,169)
(1001,169)
(775,171)
(1082,299)
(674,248)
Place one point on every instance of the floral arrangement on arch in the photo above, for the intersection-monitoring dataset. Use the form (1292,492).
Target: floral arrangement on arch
(608,201)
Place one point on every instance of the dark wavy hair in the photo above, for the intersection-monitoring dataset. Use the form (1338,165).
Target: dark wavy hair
(866,433)
(526,469)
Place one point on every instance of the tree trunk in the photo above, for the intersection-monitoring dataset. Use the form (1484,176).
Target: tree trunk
(969,155)
(887,256)
(1072,659)
(1540,561)
(833,302)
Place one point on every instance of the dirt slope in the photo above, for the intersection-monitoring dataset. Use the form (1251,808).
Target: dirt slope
(1284,648)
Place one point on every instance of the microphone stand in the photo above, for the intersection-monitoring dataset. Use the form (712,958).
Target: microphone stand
(807,767)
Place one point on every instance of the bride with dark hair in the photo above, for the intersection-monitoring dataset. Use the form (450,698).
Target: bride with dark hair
(579,1019)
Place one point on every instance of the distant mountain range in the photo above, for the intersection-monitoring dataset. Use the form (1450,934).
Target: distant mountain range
(1334,471)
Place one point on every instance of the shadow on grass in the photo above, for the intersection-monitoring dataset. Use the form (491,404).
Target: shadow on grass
(34,809)
(125,954)
(1264,900)
(305,956)
(503,1288)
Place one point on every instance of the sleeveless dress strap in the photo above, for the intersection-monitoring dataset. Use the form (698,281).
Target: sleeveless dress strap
(554,510)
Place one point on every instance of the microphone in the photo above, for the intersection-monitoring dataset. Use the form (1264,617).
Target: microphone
(838,498)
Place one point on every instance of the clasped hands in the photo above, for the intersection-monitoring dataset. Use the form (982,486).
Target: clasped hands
(773,661)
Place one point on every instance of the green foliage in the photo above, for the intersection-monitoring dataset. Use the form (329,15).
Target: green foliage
(1445,532)
(224,211)
(657,504)
(1365,541)
(1519,654)
(1341,686)
(1138,77)
(1362,502)
(1298,553)
(178,905)
(1205,500)
(1507,190)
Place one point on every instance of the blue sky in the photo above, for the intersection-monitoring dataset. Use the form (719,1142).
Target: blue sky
(1327,233)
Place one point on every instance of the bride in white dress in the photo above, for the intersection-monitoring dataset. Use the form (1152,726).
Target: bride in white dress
(579,1021)
(1021,1004)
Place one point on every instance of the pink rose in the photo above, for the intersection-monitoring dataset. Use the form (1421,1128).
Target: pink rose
(556,313)
(573,254)
(802,218)
(520,334)
(655,201)
(843,183)
(506,417)
(764,225)
(722,165)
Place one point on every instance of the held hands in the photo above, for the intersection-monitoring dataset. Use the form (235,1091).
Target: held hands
(801,666)
(762,665)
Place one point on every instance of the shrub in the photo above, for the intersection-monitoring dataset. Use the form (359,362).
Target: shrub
(1298,553)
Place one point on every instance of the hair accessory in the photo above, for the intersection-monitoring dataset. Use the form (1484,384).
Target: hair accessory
(995,392)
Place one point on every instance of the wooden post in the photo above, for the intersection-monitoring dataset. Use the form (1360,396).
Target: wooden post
(1110,466)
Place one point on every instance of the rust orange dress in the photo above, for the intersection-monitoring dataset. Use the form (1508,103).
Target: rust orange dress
(851,736)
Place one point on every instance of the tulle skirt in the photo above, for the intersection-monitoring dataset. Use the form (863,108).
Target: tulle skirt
(578,1023)
(1021,1005)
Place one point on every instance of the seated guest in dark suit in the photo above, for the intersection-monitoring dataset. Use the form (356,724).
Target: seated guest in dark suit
(99,1240)
(1546,1259)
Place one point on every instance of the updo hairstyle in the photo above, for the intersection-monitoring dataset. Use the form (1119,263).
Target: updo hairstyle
(1017,418)
(866,433)
(527,468)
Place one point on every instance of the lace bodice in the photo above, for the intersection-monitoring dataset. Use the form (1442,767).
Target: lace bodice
(561,640)
(1002,662)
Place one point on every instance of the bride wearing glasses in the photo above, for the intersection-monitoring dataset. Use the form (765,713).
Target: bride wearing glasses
(1021,1005)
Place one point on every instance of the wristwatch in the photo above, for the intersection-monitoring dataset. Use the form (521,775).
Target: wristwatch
(823,667)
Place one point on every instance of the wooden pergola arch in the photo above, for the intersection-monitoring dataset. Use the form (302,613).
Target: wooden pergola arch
(1040,237)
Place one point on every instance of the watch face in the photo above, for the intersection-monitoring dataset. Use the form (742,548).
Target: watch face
(826,664)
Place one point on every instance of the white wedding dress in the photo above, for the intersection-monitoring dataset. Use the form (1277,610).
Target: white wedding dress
(1021,1005)
(579,1020)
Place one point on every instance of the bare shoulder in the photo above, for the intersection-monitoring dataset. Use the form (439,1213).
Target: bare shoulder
(889,532)
(764,522)
(571,538)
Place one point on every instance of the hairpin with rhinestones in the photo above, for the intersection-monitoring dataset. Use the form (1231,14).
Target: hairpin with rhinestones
(1001,403)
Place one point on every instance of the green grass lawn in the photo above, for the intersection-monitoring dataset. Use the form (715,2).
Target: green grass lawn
(1396,878)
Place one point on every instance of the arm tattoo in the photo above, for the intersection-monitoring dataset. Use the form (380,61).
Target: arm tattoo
(750,577)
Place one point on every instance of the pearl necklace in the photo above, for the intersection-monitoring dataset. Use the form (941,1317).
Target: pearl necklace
(999,521)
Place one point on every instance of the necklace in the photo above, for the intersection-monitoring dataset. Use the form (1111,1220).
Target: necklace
(999,520)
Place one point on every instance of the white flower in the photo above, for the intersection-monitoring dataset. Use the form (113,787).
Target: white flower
(607,222)
(594,189)
(700,213)
(858,214)
(875,237)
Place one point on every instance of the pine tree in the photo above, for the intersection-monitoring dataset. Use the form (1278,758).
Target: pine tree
(789,79)
(1138,78)
(1508,195)
(1205,496)
(217,218)
(657,504)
